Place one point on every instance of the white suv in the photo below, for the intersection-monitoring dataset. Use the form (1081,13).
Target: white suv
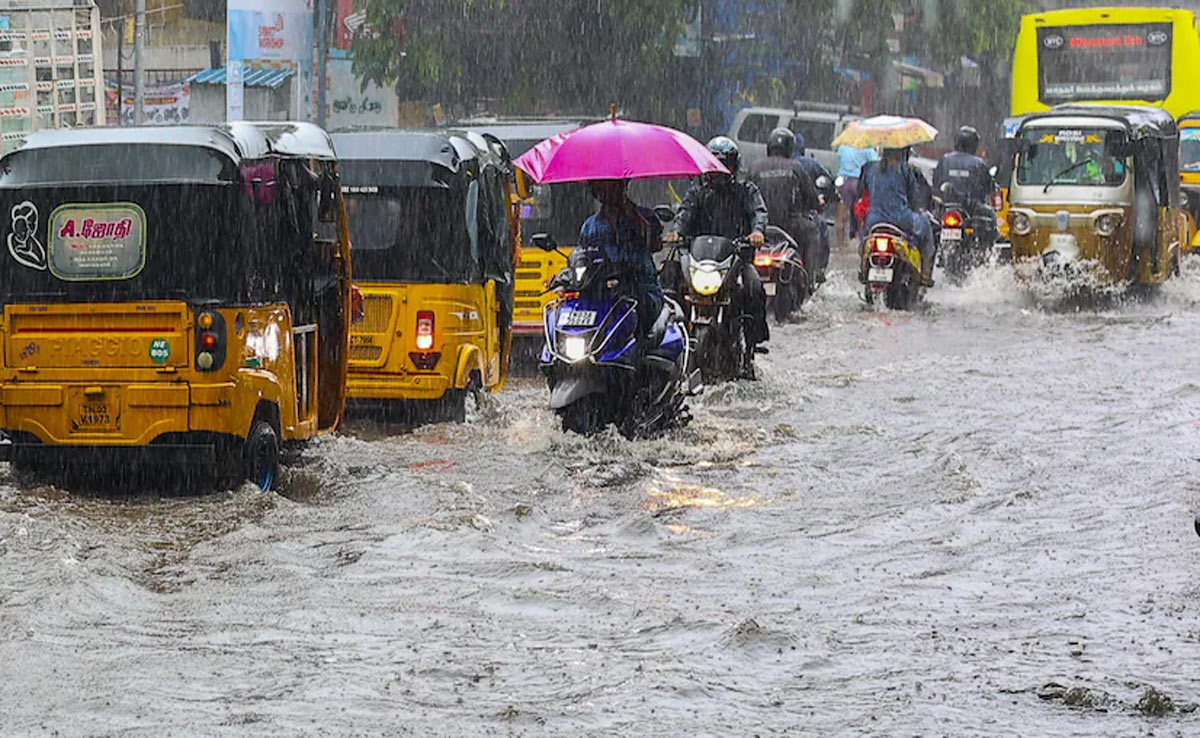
(819,123)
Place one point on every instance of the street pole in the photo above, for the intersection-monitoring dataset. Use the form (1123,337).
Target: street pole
(139,63)
(322,60)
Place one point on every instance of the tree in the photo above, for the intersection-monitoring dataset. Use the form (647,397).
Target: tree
(523,55)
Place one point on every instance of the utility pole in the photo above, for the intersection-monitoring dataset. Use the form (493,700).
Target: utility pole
(139,63)
(322,60)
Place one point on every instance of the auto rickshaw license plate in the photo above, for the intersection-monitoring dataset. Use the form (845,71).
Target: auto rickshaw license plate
(951,234)
(880,274)
(95,413)
(577,318)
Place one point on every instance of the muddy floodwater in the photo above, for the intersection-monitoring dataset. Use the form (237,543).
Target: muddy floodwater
(976,519)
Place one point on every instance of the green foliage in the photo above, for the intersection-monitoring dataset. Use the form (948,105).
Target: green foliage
(568,55)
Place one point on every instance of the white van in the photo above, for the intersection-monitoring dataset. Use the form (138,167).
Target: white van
(819,123)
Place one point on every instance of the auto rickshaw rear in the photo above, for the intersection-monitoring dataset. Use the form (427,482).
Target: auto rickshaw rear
(165,299)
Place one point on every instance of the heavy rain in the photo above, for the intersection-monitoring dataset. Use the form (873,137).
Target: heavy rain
(598,367)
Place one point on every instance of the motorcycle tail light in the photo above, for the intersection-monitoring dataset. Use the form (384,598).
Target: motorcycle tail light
(952,220)
(883,244)
(997,201)
(763,260)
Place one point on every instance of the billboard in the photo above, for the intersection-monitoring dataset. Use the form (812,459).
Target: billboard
(278,31)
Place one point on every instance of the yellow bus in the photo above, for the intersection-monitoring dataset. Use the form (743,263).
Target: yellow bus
(1130,55)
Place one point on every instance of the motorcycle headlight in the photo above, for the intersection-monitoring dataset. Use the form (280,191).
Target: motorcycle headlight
(575,348)
(707,281)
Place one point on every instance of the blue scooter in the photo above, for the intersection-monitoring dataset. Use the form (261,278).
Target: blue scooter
(598,371)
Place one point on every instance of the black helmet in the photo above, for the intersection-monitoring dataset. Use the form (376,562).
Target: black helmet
(781,142)
(726,152)
(968,140)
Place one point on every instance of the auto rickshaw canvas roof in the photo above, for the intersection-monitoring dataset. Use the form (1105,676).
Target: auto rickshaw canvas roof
(522,136)
(410,154)
(235,145)
(1139,121)
(291,138)
(1192,117)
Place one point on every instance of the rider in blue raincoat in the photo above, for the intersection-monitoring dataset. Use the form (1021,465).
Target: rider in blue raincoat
(898,194)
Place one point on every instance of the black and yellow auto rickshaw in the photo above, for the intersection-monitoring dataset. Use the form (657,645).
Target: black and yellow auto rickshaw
(1189,174)
(557,210)
(172,294)
(1095,191)
(434,226)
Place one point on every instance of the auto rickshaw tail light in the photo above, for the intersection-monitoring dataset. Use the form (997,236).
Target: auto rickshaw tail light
(358,305)
(424,330)
(210,341)
(952,220)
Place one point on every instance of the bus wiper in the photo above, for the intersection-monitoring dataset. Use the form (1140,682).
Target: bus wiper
(1063,173)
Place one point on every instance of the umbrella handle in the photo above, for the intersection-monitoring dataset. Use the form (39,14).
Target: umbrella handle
(612,111)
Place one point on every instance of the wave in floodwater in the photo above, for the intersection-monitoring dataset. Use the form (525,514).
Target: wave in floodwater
(970,519)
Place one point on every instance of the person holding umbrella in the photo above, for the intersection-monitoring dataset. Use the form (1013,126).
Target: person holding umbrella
(623,233)
(897,192)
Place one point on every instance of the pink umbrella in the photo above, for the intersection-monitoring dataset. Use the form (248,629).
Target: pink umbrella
(618,149)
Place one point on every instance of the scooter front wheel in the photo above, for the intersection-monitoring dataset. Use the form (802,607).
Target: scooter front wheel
(587,416)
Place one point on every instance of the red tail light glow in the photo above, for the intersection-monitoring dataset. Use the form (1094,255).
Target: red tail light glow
(208,341)
(952,220)
(763,260)
(424,330)
(997,201)
(358,306)
(883,244)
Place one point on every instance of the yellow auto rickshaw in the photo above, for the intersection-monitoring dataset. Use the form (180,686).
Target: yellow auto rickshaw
(172,294)
(1095,190)
(557,210)
(1189,175)
(433,219)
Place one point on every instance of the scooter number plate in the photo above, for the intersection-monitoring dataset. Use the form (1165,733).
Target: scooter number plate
(577,318)
(951,234)
(769,288)
(880,274)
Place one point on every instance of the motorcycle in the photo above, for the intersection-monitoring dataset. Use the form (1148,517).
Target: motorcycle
(964,243)
(598,372)
(783,273)
(891,268)
(715,303)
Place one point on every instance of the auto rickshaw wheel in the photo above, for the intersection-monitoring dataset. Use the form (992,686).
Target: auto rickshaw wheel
(260,455)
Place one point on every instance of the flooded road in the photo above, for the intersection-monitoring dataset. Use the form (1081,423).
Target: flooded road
(971,520)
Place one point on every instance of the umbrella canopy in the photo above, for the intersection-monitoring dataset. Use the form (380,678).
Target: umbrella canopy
(886,132)
(618,149)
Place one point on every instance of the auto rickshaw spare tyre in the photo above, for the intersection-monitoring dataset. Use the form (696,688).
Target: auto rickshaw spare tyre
(260,455)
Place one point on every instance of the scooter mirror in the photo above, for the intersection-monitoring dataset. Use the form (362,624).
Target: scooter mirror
(822,182)
(543,241)
(840,182)
(993,170)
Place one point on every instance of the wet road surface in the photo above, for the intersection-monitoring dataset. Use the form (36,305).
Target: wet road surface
(971,520)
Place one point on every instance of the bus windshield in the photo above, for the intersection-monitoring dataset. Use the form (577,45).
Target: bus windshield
(1189,150)
(1068,156)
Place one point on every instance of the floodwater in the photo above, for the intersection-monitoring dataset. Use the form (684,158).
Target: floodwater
(976,519)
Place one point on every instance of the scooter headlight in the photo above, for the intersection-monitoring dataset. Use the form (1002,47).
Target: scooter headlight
(575,348)
(707,281)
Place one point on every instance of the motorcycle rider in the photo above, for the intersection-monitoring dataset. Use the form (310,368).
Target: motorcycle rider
(970,180)
(623,233)
(899,195)
(790,195)
(816,170)
(721,205)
